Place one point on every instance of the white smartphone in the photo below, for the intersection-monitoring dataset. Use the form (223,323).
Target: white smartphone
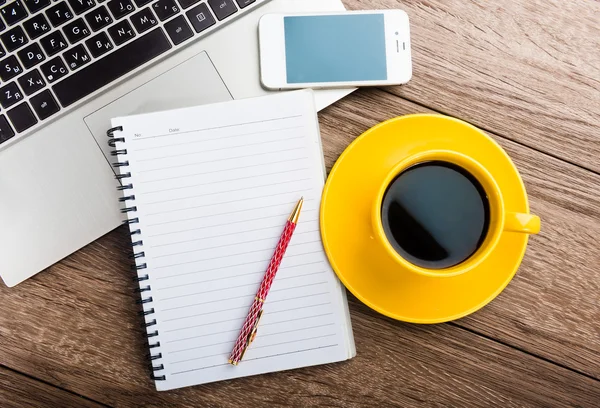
(335,50)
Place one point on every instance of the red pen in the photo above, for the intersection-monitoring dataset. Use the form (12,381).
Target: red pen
(248,332)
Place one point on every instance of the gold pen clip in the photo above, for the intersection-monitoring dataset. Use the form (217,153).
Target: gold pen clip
(252,335)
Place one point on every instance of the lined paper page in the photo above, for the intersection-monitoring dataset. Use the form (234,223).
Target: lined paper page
(214,186)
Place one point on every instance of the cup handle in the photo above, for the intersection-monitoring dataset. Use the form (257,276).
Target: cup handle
(519,222)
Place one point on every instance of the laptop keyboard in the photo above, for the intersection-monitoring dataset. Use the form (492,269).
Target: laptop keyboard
(54,53)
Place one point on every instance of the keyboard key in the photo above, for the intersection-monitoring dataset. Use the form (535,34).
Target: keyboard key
(76,31)
(187,3)
(178,30)
(44,104)
(53,43)
(99,44)
(9,68)
(222,8)
(143,20)
(141,3)
(2,25)
(54,69)
(98,18)
(2,52)
(81,6)
(120,8)
(121,32)
(244,3)
(10,94)
(76,57)
(31,82)
(36,5)
(14,12)
(22,117)
(36,26)
(14,38)
(114,65)
(31,55)
(6,131)
(165,9)
(200,17)
(59,14)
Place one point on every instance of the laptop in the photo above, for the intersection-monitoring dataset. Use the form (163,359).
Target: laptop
(68,66)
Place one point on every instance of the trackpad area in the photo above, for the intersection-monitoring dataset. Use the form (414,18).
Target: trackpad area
(193,82)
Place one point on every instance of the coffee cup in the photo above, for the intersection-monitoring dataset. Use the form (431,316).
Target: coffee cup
(440,213)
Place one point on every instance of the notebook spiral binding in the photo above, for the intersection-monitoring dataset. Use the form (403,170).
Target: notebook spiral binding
(145,290)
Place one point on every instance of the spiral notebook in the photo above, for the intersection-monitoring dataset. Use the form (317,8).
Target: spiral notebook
(207,191)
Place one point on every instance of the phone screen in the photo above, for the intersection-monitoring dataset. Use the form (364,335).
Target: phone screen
(339,48)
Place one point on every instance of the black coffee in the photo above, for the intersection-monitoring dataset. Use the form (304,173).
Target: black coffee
(435,214)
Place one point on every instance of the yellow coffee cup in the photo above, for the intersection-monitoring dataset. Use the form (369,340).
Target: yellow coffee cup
(374,269)
(501,219)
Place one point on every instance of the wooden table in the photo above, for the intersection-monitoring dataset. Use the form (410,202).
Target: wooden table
(528,73)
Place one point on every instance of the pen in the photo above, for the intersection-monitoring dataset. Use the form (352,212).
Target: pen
(248,332)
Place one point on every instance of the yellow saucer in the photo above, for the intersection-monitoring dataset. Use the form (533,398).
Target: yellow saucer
(362,263)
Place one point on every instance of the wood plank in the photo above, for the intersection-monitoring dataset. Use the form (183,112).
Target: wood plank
(527,70)
(552,307)
(75,325)
(18,391)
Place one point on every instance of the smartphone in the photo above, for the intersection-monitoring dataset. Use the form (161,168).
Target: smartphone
(335,50)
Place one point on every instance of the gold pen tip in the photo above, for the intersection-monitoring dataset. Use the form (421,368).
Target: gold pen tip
(296,213)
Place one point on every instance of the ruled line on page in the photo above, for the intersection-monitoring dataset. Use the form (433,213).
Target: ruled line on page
(244,307)
(201,368)
(212,280)
(237,254)
(279,226)
(227,191)
(225,277)
(303,307)
(220,171)
(218,127)
(224,181)
(219,138)
(291,352)
(293,341)
(296,319)
(230,202)
(232,343)
(230,244)
(221,160)
(205,324)
(253,284)
(262,335)
(237,297)
(256,358)
(204,314)
(199,358)
(238,318)
(163,157)
(246,285)
(237,330)
(232,266)
(216,225)
(200,336)
(231,212)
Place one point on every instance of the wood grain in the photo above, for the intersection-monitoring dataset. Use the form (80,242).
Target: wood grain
(18,391)
(527,70)
(75,325)
(552,307)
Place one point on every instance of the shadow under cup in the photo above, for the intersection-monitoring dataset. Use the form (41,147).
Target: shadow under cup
(439,213)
